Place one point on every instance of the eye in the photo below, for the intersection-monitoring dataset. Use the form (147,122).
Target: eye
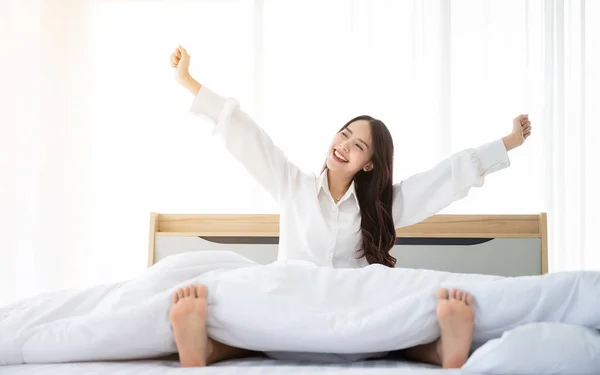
(359,147)
(344,135)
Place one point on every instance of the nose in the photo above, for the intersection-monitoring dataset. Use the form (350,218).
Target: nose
(344,146)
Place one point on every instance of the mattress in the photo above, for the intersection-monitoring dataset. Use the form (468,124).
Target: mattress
(247,366)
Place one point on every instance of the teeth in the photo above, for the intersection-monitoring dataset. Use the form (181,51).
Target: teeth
(339,155)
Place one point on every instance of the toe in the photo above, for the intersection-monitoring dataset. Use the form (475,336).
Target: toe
(459,295)
(201,291)
(442,294)
(175,297)
(188,291)
(180,293)
(453,293)
(469,300)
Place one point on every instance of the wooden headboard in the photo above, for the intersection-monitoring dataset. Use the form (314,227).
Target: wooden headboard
(267,225)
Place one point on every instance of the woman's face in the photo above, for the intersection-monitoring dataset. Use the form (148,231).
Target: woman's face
(351,149)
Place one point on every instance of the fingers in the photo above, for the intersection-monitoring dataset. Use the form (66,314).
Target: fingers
(174,60)
(525,126)
(177,55)
(527,129)
(182,52)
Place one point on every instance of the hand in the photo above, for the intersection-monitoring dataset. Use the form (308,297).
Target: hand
(180,60)
(520,132)
(522,128)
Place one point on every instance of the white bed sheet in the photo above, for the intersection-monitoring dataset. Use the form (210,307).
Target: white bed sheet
(248,366)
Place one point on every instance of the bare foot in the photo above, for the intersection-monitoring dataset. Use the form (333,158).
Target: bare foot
(188,319)
(456,318)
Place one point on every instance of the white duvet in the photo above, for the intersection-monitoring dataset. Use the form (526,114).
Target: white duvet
(285,306)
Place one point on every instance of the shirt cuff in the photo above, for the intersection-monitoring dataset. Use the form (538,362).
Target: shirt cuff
(209,104)
(493,156)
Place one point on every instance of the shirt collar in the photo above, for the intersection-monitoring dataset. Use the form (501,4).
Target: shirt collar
(324,185)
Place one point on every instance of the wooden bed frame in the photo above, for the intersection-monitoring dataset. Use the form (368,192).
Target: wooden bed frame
(437,226)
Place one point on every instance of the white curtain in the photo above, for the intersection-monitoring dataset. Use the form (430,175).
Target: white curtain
(95,133)
(44,172)
(571,136)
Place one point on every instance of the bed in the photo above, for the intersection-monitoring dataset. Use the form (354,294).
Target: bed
(505,245)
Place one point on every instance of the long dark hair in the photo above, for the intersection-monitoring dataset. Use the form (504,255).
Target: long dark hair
(375,192)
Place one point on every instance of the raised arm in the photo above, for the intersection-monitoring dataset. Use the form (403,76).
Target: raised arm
(241,135)
(425,194)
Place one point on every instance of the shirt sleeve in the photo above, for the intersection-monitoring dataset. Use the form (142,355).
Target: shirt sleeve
(425,194)
(247,142)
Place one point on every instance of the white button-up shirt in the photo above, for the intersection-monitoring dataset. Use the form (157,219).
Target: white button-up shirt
(312,226)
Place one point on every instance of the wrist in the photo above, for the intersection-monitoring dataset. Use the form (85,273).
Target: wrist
(183,79)
(189,83)
(512,141)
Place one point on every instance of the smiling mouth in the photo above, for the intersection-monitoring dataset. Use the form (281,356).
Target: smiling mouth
(338,157)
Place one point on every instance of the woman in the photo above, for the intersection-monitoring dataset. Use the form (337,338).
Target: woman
(346,217)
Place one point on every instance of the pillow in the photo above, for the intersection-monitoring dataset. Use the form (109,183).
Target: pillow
(539,348)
